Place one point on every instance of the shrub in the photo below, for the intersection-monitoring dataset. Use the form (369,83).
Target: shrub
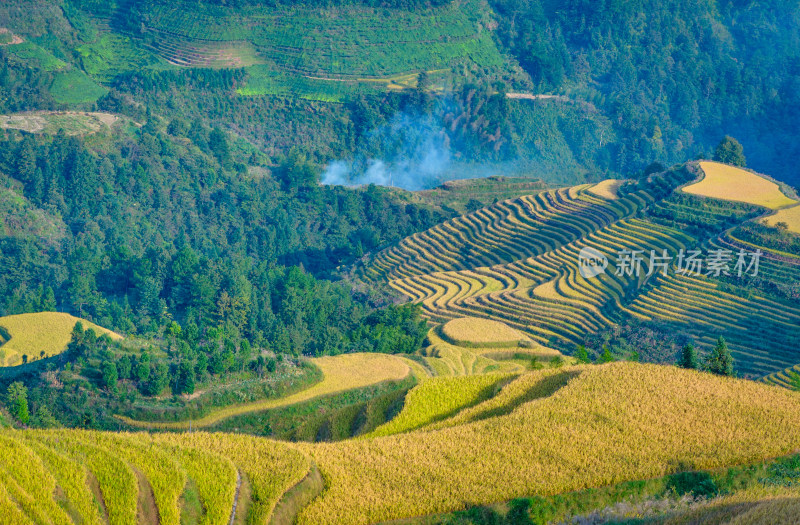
(697,484)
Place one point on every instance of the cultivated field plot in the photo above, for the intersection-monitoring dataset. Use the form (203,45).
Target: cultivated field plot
(735,184)
(517,262)
(33,56)
(50,122)
(608,188)
(141,478)
(73,86)
(40,335)
(789,216)
(477,332)
(500,436)
(309,44)
(548,445)
(340,373)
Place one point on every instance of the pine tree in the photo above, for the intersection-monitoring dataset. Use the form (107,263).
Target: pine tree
(48,300)
(76,345)
(582,355)
(218,144)
(26,161)
(110,376)
(17,399)
(36,186)
(186,378)
(688,358)
(720,361)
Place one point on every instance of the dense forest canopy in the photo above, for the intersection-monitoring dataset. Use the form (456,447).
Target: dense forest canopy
(673,76)
(158,229)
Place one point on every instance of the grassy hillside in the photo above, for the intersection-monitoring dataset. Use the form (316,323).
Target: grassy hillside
(339,42)
(517,262)
(321,53)
(20,218)
(602,425)
(35,336)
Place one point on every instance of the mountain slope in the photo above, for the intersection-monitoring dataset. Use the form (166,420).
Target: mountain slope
(604,425)
(517,261)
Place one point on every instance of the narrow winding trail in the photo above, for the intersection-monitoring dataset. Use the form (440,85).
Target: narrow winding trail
(236,496)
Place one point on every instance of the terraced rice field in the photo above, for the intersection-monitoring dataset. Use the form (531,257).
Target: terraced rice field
(784,378)
(117,478)
(735,184)
(561,442)
(764,334)
(508,231)
(516,262)
(500,436)
(608,188)
(40,335)
(340,373)
(439,398)
(788,216)
(320,53)
(477,332)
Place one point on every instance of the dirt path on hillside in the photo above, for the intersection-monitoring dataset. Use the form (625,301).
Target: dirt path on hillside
(37,121)
(532,96)
(236,496)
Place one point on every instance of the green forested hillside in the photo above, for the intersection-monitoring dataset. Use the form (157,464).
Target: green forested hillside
(670,75)
(621,89)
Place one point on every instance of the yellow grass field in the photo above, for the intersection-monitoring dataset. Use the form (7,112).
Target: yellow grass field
(790,216)
(606,189)
(473,331)
(32,334)
(735,184)
(547,432)
(611,423)
(340,373)
(439,398)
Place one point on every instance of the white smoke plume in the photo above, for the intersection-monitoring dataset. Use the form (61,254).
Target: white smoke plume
(414,154)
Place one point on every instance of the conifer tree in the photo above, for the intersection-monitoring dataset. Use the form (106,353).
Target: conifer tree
(720,361)
(688,358)
(17,398)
